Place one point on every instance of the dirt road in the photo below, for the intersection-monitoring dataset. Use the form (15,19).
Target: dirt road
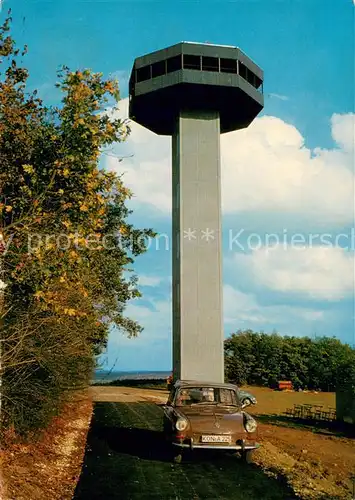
(126,458)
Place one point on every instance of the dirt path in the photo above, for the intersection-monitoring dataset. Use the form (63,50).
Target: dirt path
(126,394)
(48,468)
(127,458)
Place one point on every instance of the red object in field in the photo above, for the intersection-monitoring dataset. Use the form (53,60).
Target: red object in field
(285,384)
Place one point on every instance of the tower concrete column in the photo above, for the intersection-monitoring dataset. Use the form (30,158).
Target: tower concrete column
(197,261)
(194,92)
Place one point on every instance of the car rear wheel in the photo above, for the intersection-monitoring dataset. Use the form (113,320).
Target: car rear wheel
(247,456)
(247,402)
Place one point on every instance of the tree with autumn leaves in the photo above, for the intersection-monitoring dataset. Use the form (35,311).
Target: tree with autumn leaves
(69,245)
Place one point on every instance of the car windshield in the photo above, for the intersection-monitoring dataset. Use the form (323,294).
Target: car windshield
(205,395)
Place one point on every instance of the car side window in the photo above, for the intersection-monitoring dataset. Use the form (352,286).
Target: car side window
(183,397)
(228,397)
(208,394)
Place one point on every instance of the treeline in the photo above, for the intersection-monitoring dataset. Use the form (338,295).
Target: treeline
(67,245)
(263,359)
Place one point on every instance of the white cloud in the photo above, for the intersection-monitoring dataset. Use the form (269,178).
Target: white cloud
(154,319)
(242,309)
(148,171)
(343,130)
(280,96)
(123,79)
(151,281)
(325,273)
(268,168)
(265,167)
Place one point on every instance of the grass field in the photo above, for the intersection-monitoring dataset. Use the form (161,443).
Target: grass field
(276,402)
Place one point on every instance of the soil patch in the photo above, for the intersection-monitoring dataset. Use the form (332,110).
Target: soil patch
(49,468)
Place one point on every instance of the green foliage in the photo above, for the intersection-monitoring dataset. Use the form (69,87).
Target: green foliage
(70,244)
(262,359)
(346,375)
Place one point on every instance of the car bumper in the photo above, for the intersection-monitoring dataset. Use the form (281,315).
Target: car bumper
(237,447)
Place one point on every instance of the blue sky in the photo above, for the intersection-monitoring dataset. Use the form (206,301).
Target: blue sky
(291,172)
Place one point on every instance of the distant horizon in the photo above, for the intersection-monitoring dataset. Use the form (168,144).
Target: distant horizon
(112,375)
(130,371)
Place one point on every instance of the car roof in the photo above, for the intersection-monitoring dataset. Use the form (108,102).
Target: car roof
(203,383)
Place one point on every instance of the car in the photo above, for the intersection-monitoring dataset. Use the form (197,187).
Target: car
(246,398)
(208,416)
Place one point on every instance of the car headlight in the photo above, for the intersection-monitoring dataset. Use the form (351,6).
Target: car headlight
(181,424)
(250,424)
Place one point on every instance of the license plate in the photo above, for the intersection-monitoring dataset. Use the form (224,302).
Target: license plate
(216,439)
